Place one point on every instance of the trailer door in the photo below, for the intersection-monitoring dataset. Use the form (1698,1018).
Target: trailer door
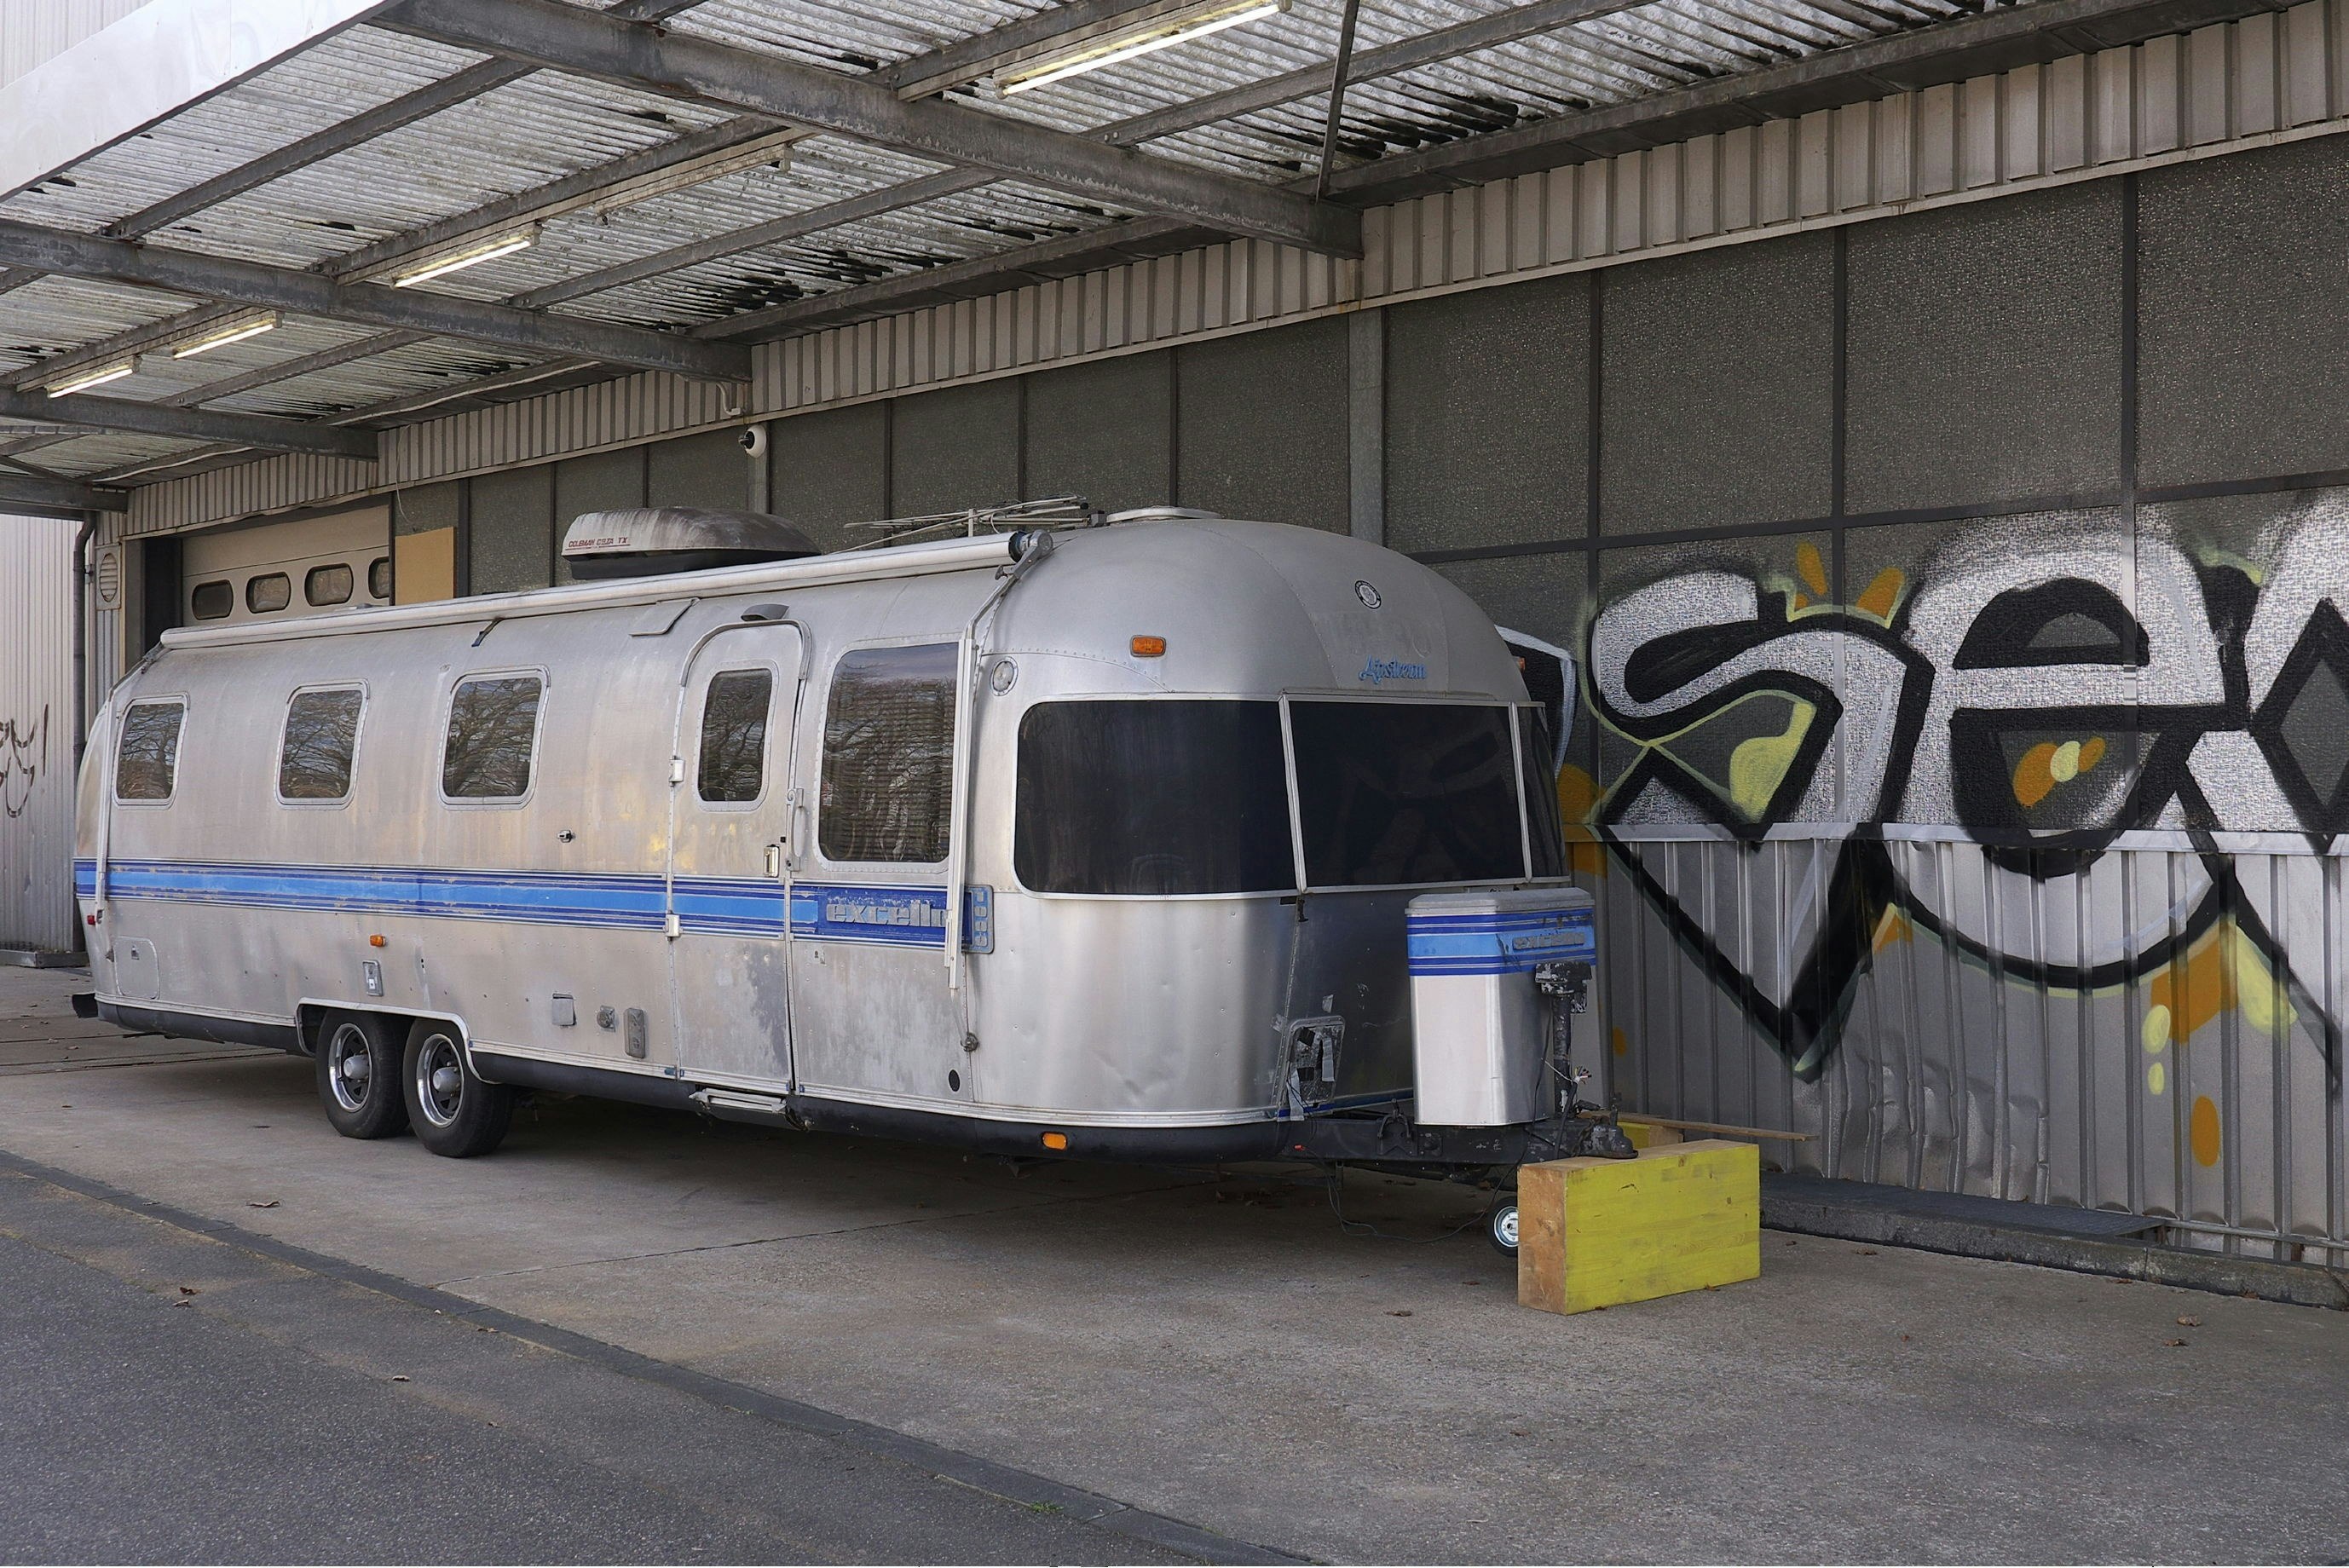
(729,857)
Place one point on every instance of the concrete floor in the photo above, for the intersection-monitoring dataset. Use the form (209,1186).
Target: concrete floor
(1218,1350)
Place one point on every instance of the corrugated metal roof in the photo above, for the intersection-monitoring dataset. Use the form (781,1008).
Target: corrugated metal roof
(544,127)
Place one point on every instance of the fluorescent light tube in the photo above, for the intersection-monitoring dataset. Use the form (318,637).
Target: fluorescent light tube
(235,330)
(458,261)
(767,152)
(1163,32)
(97,376)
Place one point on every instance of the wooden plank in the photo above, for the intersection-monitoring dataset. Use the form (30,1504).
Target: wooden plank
(1602,1233)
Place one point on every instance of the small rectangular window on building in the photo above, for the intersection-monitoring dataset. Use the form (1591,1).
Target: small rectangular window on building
(493,729)
(888,746)
(267,594)
(147,757)
(327,585)
(322,734)
(734,735)
(211,601)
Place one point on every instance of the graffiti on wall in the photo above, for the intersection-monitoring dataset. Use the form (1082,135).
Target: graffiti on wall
(24,753)
(2047,693)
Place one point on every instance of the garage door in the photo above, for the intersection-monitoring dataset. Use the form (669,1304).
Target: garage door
(269,570)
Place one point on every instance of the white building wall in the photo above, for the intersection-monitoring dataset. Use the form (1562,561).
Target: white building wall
(37,734)
(31,31)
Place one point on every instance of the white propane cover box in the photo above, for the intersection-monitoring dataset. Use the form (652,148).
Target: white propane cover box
(1478,1024)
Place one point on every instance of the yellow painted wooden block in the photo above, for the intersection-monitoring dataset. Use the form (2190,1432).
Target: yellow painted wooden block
(1600,1233)
(1647,1134)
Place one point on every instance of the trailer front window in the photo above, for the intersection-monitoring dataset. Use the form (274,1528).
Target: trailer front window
(1403,794)
(1152,797)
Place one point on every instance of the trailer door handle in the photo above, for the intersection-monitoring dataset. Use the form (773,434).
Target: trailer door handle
(775,860)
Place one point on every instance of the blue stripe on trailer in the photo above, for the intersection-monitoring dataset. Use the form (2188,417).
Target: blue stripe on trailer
(717,906)
(1499,944)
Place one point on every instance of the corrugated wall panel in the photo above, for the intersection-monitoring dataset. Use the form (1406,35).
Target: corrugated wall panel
(37,734)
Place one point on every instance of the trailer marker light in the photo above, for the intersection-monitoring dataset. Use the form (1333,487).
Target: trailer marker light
(376,940)
(1056,1140)
(1148,647)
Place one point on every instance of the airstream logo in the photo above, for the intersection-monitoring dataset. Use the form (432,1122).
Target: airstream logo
(1378,672)
(865,911)
(1367,595)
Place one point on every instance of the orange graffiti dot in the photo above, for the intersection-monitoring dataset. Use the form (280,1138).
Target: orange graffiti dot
(1621,1042)
(2196,990)
(1894,926)
(2034,776)
(1883,593)
(2092,752)
(1801,601)
(1810,568)
(2202,1131)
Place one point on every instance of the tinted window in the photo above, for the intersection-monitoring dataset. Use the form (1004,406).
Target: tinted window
(491,723)
(327,585)
(211,601)
(1406,793)
(322,730)
(888,736)
(379,577)
(734,735)
(1151,798)
(1545,844)
(147,759)
(265,594)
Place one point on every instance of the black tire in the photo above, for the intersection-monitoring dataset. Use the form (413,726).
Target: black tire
(359,1059)
(452,1111)
(1501,1226)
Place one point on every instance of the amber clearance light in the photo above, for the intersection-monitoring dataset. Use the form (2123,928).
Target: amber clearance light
(1146,647)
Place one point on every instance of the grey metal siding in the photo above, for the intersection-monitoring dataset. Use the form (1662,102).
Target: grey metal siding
(37,735)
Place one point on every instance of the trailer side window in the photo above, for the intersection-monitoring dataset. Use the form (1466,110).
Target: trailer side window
(1546,845)
(1401,794)
(888,739)
(146,757)
(734,735)
(492,725)
(322,732)
(1164,796)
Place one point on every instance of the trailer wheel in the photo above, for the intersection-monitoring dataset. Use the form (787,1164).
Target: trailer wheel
(1501,1226)
(453,1112)
(358,1075)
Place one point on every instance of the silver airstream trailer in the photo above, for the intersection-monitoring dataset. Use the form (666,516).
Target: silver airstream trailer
(1165,837)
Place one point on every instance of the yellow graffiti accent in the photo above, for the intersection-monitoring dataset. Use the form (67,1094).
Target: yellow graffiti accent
(2156,1077)
(1810,568)
(1890,927)
(1620,1042)
(2046,765)
(2155,1032)
(2202,1131)
(1577,796)
(1882,594)
(1757,766)
(2222,973)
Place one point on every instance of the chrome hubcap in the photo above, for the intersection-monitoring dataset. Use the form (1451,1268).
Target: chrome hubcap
(440,1080)
(349,1067)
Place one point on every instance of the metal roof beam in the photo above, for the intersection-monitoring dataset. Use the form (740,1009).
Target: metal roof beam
(23,493)
(307,293)
(343,135)
(680,66)
(188,424)
(1943,51)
